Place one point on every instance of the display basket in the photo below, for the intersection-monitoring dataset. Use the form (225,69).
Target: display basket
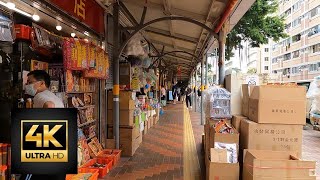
(103,171)
(94,172)
(111,154)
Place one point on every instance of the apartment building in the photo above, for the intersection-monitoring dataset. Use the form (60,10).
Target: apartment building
(248,57)
(297,58)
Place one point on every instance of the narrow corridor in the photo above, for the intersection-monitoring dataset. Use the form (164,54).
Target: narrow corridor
(161,154)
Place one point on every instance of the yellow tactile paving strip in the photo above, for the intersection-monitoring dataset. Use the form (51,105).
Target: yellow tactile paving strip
(191,166)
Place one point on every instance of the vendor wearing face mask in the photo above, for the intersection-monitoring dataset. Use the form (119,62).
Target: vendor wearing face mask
(37,85)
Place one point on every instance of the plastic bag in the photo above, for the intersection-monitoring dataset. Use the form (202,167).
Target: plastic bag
(232,151)
(217,102)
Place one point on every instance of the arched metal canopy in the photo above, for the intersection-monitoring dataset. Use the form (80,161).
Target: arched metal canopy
(168,18)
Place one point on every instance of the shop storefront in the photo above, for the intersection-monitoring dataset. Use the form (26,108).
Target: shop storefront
(67,41)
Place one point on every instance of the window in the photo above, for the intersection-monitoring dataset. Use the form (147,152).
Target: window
(274,60)
(266,59)
(288,26)
(266,49)
(274,71)
(314,12)
(313,67)
(266,68)
(296,6)
(314,30)
(286,13)
(287,57)
(296,38)
(296,22)
(274,47)
(315,48)
(296,54)
(295,70)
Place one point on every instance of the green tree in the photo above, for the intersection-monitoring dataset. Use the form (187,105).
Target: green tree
(257,26)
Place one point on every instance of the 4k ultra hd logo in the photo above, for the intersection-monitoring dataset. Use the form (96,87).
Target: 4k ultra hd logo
(44,141)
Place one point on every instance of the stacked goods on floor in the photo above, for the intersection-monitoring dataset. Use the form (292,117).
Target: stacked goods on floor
(93,161)
(313,103)
(271,132)
(265,165)
(221,139)
(5,161)
(130,135)
(222,151)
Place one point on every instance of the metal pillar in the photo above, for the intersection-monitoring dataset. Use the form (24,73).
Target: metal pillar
(206,73)
(195,91)
(202,89)
(116,89)
(222,39)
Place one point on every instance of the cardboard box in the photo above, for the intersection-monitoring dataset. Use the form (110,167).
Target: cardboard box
(125,74)
(126,133)
(246,92)
(129,147)
(222,171)
(126,118)
(236,120)
(214,121)
(278,104)
(218,155)
(267,165)
(222,138)
(233,84)
(275,137)
(126,100)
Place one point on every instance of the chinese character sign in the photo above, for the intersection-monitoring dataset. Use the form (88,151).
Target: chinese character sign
(80,8)
(87,11)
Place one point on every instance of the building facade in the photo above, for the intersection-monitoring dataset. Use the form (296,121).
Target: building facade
(297,58)
(249,58)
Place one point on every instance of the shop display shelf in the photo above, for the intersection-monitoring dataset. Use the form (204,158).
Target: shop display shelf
(90,137)
(94,172)
(86,123)
(102,171)
(85,107)
(80,92)
(112,154)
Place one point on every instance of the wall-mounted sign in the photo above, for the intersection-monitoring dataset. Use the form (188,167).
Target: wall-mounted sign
(86,11)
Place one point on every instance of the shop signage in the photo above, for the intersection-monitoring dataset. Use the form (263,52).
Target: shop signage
(44,141)
(87,11)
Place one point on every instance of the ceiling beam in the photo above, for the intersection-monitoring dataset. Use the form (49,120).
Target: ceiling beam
(198,49)
(168,34)
(170,45)
(174,11)
(167,11)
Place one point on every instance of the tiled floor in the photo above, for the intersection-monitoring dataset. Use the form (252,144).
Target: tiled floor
(161,154)
(311,147)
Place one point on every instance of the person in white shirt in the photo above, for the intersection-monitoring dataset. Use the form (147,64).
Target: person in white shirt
(37,85)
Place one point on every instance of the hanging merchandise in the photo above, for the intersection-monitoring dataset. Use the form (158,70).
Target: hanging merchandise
(38,65)
(135,82)
(146,62)
(135,46)
(101,65)
(6,29)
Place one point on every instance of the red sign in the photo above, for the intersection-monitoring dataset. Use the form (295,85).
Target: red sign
(87,11)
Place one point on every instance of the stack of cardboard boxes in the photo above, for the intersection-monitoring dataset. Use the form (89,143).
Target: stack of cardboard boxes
(271,133)
(217,165)
(130,135)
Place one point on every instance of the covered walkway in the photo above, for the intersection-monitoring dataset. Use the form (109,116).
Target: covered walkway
(168,151)
(173,149)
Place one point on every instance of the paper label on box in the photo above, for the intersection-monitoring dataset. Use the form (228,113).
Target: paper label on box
(312,172)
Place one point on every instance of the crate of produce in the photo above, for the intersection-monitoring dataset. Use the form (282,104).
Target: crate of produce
(111,154)
(84,173)
(102,164)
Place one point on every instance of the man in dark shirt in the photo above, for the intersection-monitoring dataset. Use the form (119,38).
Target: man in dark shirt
(188,97)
